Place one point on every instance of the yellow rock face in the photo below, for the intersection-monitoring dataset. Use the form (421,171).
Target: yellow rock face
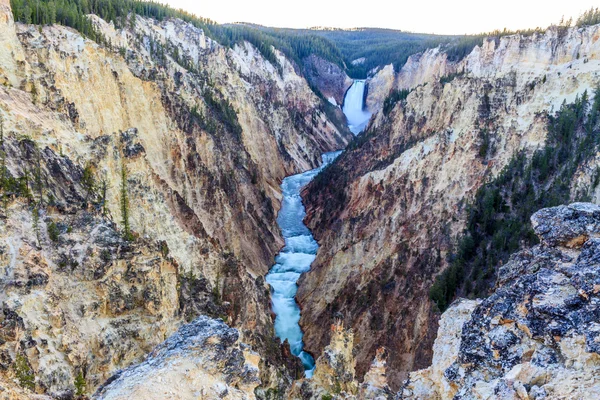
(203,197)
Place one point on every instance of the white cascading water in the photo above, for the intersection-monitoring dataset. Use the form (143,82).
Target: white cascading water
(294,259)
(357,117)
(300,247)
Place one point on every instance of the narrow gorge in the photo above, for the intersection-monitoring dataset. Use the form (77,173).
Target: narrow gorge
(300,247)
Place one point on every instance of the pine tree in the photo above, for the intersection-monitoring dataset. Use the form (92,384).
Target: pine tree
(37,176)
(34,93)
(132,21)
(217,288)
(88,181)
(80,384)
(103,191)
(3,170)
(36,222)
(125,203)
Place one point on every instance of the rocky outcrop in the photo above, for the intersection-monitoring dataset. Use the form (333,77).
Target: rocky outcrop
(566,226)
(431,383)
(375,383)
(426,67)
(537,336)
(202,359)
(329,78)
(379,87)
(385,214)
(334,370)
(334,375)
(206,358)
(197,136)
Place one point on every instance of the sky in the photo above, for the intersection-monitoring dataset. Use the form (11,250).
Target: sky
(423,16)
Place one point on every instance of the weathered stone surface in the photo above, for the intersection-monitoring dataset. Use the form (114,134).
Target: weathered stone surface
(203,359)
(568,226)
(378,88)
(130,142)
(334,370)
(538,335)
(375,383)
(334,375)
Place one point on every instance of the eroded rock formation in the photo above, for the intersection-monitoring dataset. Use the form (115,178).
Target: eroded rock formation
(335,376)
(537,336)
(203,359)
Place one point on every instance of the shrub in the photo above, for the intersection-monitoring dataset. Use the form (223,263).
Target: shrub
(484,147)
(53,232)
(164,248)
(80,384)
(24,373)
(106,256)
(450,77)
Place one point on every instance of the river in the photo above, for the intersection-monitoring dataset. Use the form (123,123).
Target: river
(300,247)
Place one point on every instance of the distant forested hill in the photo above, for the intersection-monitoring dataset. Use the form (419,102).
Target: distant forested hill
(378,47)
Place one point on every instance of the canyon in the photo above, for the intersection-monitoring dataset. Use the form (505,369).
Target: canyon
(300,247)
(186,219)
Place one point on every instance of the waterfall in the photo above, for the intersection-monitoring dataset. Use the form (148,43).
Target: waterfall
(357,117)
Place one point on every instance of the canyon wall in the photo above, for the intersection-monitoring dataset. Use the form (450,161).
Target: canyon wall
(192,140)
(387,212)
(330,79)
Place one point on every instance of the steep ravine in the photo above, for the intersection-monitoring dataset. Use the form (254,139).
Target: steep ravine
(300,247)
(387,211)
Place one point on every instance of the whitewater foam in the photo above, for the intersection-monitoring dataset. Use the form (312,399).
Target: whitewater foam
(294,259)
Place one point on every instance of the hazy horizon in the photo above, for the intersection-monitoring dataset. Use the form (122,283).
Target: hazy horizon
(434,16)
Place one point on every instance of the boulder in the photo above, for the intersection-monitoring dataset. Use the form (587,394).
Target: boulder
(568,226)
(203,359)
